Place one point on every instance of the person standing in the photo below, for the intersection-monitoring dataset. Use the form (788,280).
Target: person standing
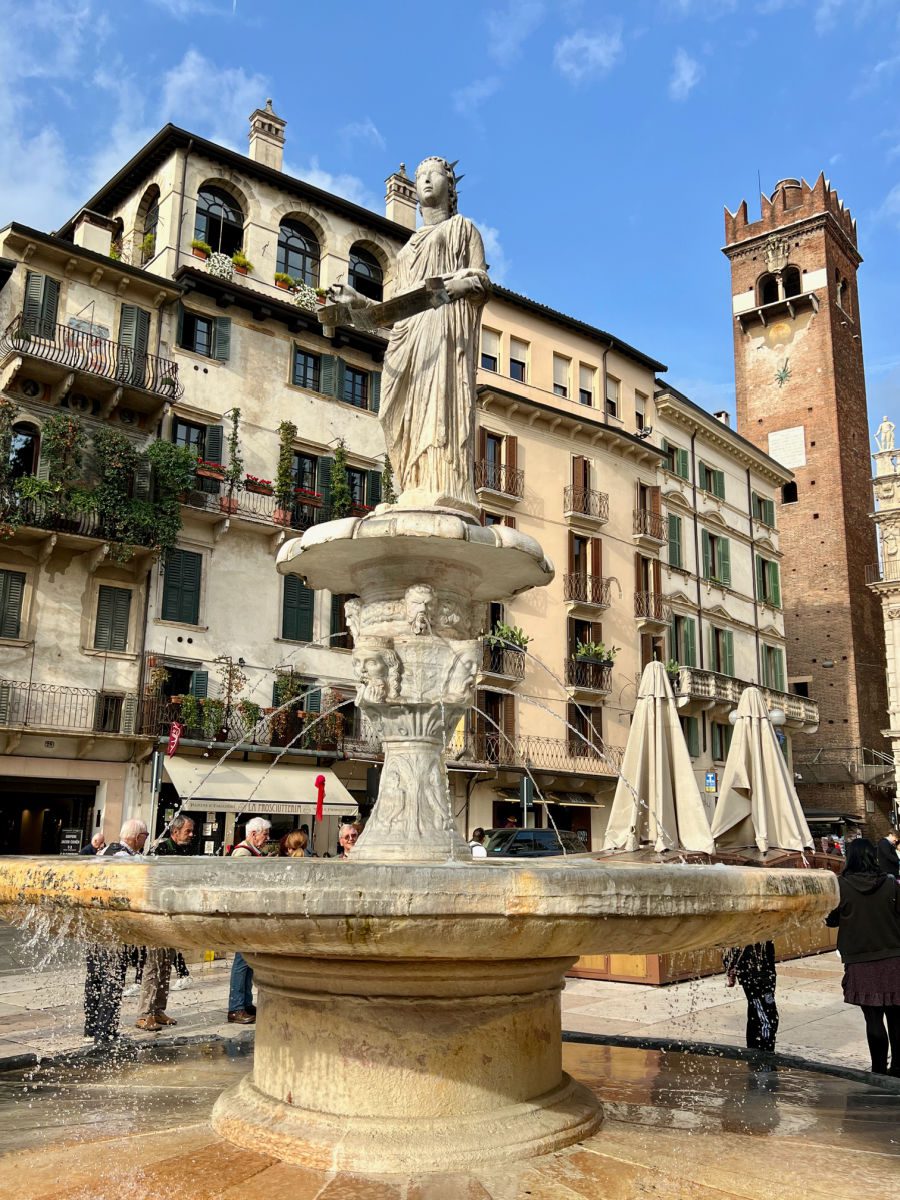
(888,860)
(181,842)
(753,967)
(476,843)
(241,1009)
(868,924)
(105,976)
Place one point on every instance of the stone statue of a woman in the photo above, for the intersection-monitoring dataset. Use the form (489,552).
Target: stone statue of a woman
(428,383)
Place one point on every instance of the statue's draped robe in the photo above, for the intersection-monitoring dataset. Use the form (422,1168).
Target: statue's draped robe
(428,383)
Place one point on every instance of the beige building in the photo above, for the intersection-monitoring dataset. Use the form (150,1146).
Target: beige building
(184,313)
(875,767)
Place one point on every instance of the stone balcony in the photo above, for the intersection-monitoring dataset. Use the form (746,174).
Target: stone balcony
(588,679)
(563,755)
(499,481)
(586,591)
(585,506)
(707,691)
(100,723)
(649,529)
(652,610)
(500,664)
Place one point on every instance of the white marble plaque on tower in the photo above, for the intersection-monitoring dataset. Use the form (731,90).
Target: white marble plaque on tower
(788,447)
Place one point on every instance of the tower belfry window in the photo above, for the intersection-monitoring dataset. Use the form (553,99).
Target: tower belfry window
(790,278)
(768,289)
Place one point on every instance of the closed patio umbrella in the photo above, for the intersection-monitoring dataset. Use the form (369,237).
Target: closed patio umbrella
(758,802)
(662,805)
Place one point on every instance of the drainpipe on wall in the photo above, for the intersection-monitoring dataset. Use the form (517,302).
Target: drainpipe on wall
(697,559)
(603,383)
(753,578)
(187,155)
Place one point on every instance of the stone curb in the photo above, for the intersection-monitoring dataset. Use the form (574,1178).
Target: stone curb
(716,1050)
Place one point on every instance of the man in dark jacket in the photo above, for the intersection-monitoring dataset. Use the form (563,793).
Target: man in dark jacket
(753,967)
(888,860)
(158,965)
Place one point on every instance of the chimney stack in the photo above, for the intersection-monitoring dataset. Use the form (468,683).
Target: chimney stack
(267,137)
(400,198)
(724,416)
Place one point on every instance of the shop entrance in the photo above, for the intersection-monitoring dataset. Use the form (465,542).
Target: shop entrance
(34,813)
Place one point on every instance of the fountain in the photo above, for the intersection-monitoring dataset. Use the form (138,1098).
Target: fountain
(409,999)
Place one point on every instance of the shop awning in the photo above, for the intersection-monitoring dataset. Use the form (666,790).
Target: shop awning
(571,800)
(255,787)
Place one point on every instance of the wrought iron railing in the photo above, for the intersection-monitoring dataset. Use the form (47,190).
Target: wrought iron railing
(587,675)
(502,661)
(586,502)
(587,589)
(651,606)
(497,477)
(254,506)
(650,524)
(54,708)
(80,350)
(883,572)
(210,719)
(537,753)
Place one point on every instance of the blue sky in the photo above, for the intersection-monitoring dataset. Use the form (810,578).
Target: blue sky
(600,141)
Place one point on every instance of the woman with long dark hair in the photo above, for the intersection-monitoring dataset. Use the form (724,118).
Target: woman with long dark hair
(868,925)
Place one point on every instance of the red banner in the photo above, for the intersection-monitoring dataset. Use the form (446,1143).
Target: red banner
(175,732)
(320,796)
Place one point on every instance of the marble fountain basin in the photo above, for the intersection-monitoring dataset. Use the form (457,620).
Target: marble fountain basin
(409,1015)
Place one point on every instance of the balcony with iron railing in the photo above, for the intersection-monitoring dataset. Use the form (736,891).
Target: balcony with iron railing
(257,507)
(587,591)
(883,572)
(588,676)
(59,350)
(502,662)
(707,689)
(210,719)
(585,504)
(52,708)
(499,479)
(649,526)
(652,608)
(564,755)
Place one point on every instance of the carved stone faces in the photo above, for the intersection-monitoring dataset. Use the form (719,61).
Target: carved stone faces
(420,608)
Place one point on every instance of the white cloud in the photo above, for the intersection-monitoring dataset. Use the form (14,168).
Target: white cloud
(493,251)
(211,99)
(468,100)
(890,206)
(826,15)
(582,55)
(686,72)
(509,27)
(343,184)
(710,9)
(363,131)
(182,9)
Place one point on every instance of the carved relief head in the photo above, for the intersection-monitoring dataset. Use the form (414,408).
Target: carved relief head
(378,670)
(352,615)
(420,603)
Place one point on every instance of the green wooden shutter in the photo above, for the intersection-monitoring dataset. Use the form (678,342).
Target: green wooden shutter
(724,564)
(179,335)
(328,375)
(728,638)
(50,307)
(199,685)
(689,649)
(714,664)
(682,464)
(213,442)
(34,299)
(113,611)
(12,589)
(181,586)
(143,478)
(337,621)
(323,480)
(297,610)
(778,664)
(674,540)
(760,578)
(340,376)
(222,339)
(707,554)
(718,482)
(313,701)
(775,584)
(375,391)
(373,487)
(692,735)
(128,325)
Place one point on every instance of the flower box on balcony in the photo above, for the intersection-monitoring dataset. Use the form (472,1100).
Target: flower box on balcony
(361,510)
(200,249)
(262,487)
(209,470)
(307,496)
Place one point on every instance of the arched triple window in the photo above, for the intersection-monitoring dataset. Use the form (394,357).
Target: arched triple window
(790,278)
(366,274)
(220,221)
(768,289)
(298,252)
(23,449)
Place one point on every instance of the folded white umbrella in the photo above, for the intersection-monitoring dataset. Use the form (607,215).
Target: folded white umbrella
(758,802)
(657,798)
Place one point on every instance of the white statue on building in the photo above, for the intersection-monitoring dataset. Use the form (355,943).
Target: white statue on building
(884,435)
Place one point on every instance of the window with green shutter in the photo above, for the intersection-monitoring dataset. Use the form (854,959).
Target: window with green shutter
(298,604)
(40,307)
(721,740)
(181,586)
(690,727)
(773,667)
(675,559)
(12,591)
(763,510)
(716,557)
(712,480)
(113,612)
(683,641)
(768,581)
(134,342)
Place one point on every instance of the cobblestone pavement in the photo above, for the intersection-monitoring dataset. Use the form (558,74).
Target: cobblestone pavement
(41,1008)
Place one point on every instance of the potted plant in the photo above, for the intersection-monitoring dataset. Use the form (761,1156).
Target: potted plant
(286,282)
(210,470)
(190,711)
(284,476)
(214,719)
(388,494)
(262,487)
(321,295)
(169,381)
(341,496)
(234,473)
(148,246)
(220,265)
(673,670)
(200,249)
(250,714)
(242,263)
(305,296)
(596,652)
(508,637)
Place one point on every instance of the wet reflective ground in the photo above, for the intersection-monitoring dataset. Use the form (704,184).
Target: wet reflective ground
(680,1126)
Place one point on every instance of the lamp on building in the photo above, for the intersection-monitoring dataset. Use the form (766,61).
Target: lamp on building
(776,716)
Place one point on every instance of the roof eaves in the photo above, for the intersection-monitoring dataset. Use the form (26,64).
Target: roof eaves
(51,239)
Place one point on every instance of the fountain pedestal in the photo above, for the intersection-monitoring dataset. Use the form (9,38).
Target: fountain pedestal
(406,1065)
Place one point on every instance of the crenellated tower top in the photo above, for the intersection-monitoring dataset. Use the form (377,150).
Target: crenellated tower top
(791,200)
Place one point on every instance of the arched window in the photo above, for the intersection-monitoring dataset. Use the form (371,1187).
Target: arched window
(147,221)
(789,493)
(365,273)
(298,252)
(220,222)
(23,449)
(790,277)
(768,289)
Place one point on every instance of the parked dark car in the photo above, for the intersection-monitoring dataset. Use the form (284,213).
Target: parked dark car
(532,843)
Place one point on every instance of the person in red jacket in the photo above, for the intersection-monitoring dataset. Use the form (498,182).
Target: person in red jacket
(868,925)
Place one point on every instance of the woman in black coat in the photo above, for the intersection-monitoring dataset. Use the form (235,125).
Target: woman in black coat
(868,925)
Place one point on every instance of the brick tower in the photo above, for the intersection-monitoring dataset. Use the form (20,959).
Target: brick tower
(801,397)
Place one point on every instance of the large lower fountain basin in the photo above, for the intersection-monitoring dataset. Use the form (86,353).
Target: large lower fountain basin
(410,1015)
